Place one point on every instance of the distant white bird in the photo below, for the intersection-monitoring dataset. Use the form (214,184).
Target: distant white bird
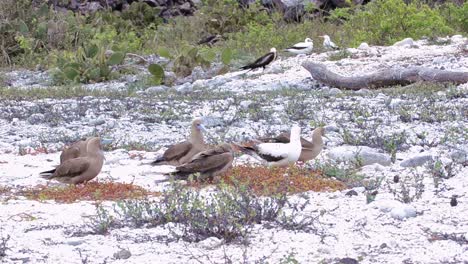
(327,43)
(302,47)
(276,154)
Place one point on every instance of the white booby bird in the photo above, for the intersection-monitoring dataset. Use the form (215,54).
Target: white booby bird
(327,43)
(302,47)
(183,152)
(310,149)
(276,154)
(262,61)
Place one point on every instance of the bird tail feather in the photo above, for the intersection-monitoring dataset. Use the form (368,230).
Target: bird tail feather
(47,174)
(158,161)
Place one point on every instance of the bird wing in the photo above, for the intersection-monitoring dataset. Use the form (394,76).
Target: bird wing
(206,163)
(74,151)
(306,144)
(278,150)
(264,60)
(301,45)
(210,152)
(69,153)
(281,138)
(206,39)
(72,167)
(177,151)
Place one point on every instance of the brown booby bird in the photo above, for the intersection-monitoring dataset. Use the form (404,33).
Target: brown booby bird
(262,61)
(183,152)
(276,154)
(209,163)
(310,150)
(81,169)
(210,40)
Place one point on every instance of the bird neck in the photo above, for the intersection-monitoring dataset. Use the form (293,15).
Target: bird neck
(295,138)
(317,138)
(196,136)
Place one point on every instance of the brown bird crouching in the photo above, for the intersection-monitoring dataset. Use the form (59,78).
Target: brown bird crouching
(81,169)
(183,152)
(210,164)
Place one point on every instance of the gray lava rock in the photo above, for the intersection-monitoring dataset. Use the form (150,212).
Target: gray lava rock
(402,211)
(75,242)
(365,154)
(245,104)
(348,261)
(406,41)
(363,91)
(156,89)
(416,161)
(98,121)
(211,243)
(363,46)
(36,119)
(211,121)
(184,88)
(335,91)
(122,254)
(459,156)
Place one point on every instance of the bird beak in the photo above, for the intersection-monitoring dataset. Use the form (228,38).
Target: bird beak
(202,127)
(106,141)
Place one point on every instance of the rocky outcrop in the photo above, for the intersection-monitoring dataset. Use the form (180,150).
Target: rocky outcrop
(168,8)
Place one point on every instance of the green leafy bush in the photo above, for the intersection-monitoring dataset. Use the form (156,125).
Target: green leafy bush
(456,16)
(89,64)
(385,22)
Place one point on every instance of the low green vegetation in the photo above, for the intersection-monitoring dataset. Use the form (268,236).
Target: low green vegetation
(36,36)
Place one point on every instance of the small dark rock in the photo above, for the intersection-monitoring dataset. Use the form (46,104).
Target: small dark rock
(384,245)
(348,261)
(396,179)
(453,201)
(351,193)
(122,254)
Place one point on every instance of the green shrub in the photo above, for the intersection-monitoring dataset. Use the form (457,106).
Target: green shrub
(385,22)
(456,16)
(229,213)
(88,65)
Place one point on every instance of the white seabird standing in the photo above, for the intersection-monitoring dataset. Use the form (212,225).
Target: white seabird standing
(276,154)
(301,47)
(327,43)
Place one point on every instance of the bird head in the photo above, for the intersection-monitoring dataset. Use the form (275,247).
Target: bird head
(198,123)
(308,40)
(273,50)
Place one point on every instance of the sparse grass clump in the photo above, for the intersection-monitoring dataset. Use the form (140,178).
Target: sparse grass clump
(273,181)
(4,189)
(91,191)
(3,245)
(227,213)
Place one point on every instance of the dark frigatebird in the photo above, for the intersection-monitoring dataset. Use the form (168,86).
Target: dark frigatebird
(210,40)
(262,61)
